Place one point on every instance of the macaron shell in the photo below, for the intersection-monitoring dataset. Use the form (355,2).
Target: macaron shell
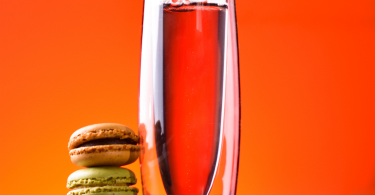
(106,190)
(107,158)
(101,176)
(101,131)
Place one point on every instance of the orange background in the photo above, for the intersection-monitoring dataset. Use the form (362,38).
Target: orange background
(307,90)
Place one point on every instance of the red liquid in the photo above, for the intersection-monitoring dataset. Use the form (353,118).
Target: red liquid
(188,136)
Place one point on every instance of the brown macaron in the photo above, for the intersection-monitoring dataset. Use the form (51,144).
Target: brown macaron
(105,144)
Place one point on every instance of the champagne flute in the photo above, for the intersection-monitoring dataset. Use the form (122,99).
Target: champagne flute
(189,105)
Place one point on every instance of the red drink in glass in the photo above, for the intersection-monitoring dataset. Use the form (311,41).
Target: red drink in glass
(189,98)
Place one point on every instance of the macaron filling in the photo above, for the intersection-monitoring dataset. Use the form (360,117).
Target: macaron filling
(103,189)
(109,181)
(107,141)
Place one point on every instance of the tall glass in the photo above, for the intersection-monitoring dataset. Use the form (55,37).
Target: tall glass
(189,103)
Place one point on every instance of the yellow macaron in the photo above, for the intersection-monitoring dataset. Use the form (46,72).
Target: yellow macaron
(104,144)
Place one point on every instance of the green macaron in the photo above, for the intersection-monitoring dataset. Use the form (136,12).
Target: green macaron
(102,181)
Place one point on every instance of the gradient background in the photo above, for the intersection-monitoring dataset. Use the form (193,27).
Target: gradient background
(307,89)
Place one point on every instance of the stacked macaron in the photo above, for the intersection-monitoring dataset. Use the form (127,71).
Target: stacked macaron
(103,148)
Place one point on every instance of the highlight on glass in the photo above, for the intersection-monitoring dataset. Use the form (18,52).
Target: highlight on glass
(189,103)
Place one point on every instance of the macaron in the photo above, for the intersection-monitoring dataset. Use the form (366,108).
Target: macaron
(104,144)
(106,180)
